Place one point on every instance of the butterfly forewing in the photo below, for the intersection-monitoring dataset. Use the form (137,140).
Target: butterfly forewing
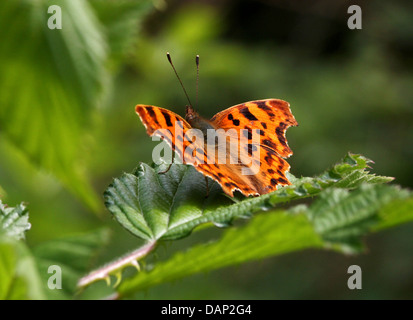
(174,130)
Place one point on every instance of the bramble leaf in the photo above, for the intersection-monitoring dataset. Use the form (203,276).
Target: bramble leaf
(19,277)
(169,206)
(338,220)
(73,255)
(46,118)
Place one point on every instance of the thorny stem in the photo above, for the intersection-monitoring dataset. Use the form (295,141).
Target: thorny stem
(116,266)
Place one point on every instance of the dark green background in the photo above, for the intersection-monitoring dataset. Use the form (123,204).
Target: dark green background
(350,90)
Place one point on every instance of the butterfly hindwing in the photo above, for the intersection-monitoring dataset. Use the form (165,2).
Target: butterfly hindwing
(265,121)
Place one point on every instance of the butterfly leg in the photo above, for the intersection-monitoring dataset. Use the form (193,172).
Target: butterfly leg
(165,171)
(170,165)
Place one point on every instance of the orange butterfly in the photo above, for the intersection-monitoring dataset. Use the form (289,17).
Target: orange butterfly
(248,145)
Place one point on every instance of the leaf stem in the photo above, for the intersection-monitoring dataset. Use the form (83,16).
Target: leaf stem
(116,267)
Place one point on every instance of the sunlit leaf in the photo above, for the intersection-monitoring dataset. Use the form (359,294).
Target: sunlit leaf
(338,216)
(342,217)
(18,273)
(50,81)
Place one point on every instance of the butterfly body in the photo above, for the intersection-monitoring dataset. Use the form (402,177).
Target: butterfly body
(198,122)
(247,148)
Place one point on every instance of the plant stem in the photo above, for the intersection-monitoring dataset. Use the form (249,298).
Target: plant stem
(116,267)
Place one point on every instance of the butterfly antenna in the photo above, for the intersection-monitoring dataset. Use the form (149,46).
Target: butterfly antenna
(180,81)
(197,79)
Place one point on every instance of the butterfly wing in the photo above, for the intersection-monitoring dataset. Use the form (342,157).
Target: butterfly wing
(271,116)
(174,130)
(269,119)
(177,132)
(165,124)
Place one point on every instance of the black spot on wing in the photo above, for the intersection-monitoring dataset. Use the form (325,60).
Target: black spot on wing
(269,157)
(283,181)
(282,140)
(235,122)
(263,106)
(230,185)
(269,143)
(152,114)
(279,131)
(167,118)
(250,148)
(283,126)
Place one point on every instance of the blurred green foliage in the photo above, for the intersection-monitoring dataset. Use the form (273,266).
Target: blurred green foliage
(67,122)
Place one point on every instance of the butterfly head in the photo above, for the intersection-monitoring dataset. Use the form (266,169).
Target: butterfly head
(197,122)
(191,114)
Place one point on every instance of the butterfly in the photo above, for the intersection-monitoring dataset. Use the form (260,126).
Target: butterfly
(254,137)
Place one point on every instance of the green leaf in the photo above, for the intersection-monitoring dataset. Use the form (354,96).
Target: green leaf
(169,206)
(18,272)
(342,217)
(121,20)
(149,204)
(74,255)
(350,173)
(337,216)
(50,82)
(14,221)
(269,234)
(394,213)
